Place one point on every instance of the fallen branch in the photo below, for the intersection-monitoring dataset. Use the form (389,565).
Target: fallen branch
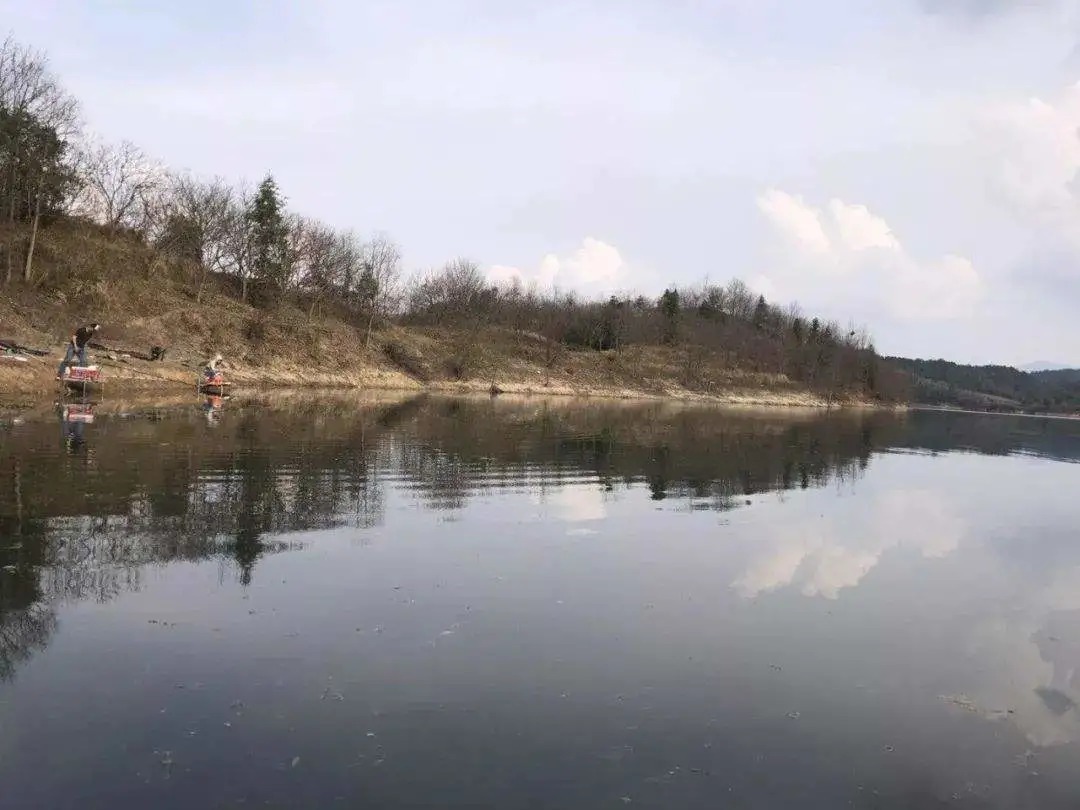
(15,347)
(156,352)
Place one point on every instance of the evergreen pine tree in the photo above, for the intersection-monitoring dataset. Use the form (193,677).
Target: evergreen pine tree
(269,235)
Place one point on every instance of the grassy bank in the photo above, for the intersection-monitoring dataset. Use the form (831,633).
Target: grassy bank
(331,355)
(143,299)
(92,231)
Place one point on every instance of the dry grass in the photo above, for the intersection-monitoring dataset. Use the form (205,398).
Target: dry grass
(142,301)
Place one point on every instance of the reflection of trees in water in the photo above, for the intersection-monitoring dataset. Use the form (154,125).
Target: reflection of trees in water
(707,456)
(449,451)
(26,621)
(23,632)
(174,489)
(443,480)
(994,434)
(71,535)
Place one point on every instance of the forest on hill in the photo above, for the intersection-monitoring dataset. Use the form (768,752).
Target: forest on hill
(88,226)
(991,388)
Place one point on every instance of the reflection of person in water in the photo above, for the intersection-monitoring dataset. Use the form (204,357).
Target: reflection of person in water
(73,421)
(74,434)
(212,409)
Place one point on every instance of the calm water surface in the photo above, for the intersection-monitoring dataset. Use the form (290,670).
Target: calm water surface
(435,603)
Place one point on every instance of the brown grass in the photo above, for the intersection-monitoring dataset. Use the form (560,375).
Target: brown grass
(143,300)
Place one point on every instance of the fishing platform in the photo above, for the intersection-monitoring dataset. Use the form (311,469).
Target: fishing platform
(82,379)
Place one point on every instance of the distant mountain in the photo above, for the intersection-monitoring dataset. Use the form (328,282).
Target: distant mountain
(1043,365)
(1057,376)
(992,388)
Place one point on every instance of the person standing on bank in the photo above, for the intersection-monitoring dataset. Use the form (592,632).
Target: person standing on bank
(77,346)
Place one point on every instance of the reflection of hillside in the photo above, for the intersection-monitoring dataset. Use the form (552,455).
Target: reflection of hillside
(993,434)
(168,486)
(178,484)
(676,451)
(26,621)
(24,631)
(155,490)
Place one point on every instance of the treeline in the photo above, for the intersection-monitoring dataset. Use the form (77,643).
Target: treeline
(709,323)
(990,388)
(245,242)
(51,172)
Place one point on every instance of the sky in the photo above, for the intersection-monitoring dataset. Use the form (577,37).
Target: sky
(908,165)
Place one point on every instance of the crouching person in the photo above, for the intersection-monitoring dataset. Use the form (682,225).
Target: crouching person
(76,346)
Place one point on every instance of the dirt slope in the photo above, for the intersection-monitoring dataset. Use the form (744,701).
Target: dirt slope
(142,301)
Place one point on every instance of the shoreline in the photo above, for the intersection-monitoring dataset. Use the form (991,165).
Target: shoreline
(416,362)
(148,388)
(173,393)
(947,409)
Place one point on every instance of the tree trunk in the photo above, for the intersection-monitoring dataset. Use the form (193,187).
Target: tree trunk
(28,268)
(370,321)
(9,237)
(9,241)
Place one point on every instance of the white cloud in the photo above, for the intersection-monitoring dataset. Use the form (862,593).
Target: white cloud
(799,222)
(948,287)
(777,567)
(1013,627)
(834,568)
(1034,148)
(849,241)
(1028,152)
(1021,668)
(763,285)
(595,268)
(1021,659)
(505,273)
(825,560)
(858,229)
(578,503)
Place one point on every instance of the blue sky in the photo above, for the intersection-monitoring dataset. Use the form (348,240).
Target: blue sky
(909,165)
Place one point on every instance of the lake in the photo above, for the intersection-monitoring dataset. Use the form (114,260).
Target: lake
(475,603)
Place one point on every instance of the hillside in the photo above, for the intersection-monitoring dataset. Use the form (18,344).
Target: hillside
(991,388)
(95,231)
(145,298)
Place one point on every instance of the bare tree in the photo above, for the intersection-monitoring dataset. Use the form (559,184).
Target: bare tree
(237,238)
(380,279)
(318,263)
(554,321)
(200,221)
(456,292)
(120,185)
(349,251)
(739,301)
(37,120)
(27,86)
(296,245)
